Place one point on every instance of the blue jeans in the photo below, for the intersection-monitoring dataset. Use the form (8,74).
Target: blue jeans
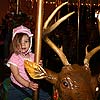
(44,95)
(18,94)
(22,93)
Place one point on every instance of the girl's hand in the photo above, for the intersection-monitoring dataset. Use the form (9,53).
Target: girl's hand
(33,86)
(41,63)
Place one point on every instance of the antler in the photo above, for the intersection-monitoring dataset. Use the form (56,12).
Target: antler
(35,70)
(52,15)
(49,29)
(90,54)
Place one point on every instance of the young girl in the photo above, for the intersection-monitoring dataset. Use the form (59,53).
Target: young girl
(21,86)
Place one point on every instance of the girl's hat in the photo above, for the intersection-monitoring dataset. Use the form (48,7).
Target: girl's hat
(21,29)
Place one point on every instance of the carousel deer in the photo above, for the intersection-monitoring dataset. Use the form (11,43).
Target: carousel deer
(74,82)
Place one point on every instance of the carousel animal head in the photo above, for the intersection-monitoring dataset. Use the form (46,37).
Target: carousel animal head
(74,82)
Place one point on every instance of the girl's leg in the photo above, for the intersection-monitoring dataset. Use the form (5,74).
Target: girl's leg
(44,95)
(18,94)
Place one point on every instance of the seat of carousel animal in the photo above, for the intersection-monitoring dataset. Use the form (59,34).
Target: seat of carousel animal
(5,87)
(6,84)
(27,98)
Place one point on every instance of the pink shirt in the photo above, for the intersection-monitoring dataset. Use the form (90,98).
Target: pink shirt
(18,61)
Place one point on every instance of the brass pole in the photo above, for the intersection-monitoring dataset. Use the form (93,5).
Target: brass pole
(78,30)
(99,22)
(38,36)
(17,8)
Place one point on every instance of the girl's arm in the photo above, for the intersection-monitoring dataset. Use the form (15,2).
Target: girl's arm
(21,80)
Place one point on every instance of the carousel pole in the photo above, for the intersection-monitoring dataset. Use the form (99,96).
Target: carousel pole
(78,29)
(97,15)
(17,9)
(99,22)
(68,11)
(38,36)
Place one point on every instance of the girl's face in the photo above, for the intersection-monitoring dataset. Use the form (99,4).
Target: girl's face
(24,44)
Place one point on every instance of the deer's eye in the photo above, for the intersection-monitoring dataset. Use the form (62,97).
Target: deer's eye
(65,83)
